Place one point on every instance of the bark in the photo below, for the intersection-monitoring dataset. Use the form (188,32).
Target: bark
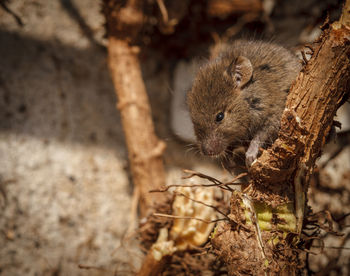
(144,148)
(279,178)
(320,89)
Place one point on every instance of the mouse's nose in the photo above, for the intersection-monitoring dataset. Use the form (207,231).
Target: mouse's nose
(212,147)
(208,151)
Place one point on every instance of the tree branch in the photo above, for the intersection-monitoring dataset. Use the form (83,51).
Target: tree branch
(275,199)
(144,148)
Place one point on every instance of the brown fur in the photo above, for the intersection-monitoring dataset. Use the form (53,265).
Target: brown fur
(252,104)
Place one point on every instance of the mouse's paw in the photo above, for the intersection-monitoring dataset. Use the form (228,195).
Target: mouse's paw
(251,155)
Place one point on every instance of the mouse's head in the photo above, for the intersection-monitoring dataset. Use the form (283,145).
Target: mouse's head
(219,113)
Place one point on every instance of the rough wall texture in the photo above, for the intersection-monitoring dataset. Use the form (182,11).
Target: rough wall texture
(65,192)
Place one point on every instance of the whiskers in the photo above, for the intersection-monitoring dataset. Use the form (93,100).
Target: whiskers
(238,156)
(193,149)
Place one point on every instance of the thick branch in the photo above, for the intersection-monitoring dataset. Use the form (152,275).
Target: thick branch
(145,149)
(311,106)
(281,173)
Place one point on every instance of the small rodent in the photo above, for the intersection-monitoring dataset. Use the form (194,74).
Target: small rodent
(237,99)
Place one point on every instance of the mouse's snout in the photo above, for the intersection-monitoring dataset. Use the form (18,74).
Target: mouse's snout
(213,146)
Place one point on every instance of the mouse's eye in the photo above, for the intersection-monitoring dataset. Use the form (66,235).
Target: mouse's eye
(219,117)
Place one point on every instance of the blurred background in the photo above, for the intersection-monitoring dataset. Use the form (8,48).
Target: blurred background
(65,188)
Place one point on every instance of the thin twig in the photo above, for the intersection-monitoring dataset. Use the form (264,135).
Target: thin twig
(212,179)
(193,173)
(164,189)
(232,182)
(9,11)
(216,182)
(163,10)
(180,217)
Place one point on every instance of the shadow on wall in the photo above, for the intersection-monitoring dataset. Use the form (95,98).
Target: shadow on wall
(53,91)
(75,14)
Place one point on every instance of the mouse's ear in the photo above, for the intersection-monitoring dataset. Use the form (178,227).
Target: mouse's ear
(241,70)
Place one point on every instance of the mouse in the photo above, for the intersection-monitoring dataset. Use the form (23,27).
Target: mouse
(237,99)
